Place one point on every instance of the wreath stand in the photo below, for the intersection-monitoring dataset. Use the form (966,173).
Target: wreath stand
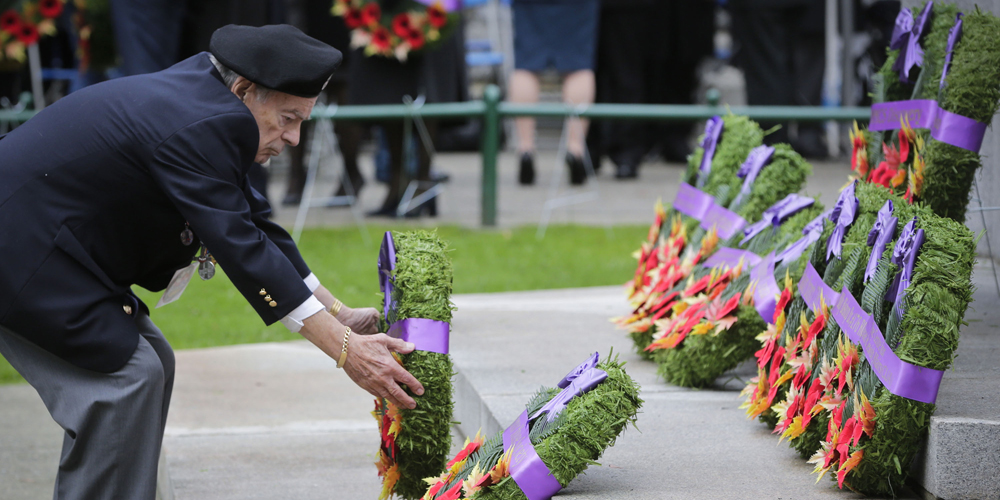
(555,199)
(432,189)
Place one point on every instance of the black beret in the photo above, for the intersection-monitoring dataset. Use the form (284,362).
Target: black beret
(279,57)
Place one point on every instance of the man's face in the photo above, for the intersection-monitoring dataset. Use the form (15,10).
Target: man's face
(279,117)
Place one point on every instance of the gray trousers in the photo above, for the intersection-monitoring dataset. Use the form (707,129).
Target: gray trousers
(114,421)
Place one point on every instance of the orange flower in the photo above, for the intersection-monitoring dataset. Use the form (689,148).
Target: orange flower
(859,153)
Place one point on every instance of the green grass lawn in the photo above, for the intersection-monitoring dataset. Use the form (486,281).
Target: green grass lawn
(213,313)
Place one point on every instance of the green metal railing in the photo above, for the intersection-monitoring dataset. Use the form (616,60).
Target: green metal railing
(490,109)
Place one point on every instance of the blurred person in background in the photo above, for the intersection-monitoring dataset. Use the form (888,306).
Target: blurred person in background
(559,34)
(780,47)
(147,34)
(648,52)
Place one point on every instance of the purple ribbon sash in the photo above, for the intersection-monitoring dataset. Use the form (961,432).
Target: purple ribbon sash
(713,130)
(844,212)
(692,202)
(426,334)
(765,294)
(881,234)
(812,289)
(731,257)
(899,377)
(776,213)
(755,162)
(953,36)
(526,467)
(581,380)
(726,222)
(812,232)
(945,126)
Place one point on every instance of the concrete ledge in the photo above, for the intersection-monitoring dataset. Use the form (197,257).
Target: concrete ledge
(961,459)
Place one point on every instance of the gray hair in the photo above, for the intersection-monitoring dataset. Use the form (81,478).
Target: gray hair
(229,78)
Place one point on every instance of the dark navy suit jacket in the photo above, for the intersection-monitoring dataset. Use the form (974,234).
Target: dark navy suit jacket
(95,191)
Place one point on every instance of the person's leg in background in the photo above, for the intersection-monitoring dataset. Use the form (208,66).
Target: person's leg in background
(809,64)
(524,89)
(398,178)
(113,421)
(147,34)
(764,55)
(577,89)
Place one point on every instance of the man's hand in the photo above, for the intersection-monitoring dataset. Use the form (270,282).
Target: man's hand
(371,366)
(363,320)
(369,360)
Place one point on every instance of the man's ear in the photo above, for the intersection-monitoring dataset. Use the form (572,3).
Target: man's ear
(241,87)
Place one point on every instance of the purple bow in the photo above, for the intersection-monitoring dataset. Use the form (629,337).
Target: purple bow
(881,234)
(842,216)
(953,36)
(579,381)
(386,264)
(756,160)
(812,232)
(713,130)
(904,255)
(776,213)
(906,38)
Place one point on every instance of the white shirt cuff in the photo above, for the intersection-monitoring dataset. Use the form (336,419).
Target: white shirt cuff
(312,282)
(294,320)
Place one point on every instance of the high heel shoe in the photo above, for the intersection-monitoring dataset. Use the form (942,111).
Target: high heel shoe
(526,172)
(577,171)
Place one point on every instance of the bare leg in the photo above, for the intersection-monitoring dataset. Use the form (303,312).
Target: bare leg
(524,88)
(578,88)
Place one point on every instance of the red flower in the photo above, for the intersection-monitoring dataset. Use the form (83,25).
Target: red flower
(401,25)
(352,18)
(10,22)
(884,174)
(453,494)
(437,16)
(27,34)
(786,296)
(416,39)
(371,13)
(50,8)
(380,38)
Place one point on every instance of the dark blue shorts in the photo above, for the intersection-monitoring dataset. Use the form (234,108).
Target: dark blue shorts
(555,34)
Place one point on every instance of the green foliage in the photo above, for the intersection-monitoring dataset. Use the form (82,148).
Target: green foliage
(739,136)
(972,90)
(576,439)
(423,284)
(700,359)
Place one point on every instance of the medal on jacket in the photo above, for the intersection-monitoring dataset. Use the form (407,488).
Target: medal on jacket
(187,236)
(206,264)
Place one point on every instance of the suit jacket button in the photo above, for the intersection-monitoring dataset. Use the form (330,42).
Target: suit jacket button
(267,298)
(128,309)
(273,304)
(262,292)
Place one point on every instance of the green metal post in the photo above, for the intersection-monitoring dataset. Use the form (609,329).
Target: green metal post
(490,147)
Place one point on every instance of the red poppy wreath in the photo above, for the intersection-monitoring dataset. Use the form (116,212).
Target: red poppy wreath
(410,27)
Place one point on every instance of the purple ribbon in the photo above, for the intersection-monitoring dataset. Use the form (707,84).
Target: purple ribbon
(812,232)
(448,5)
(765,294)
(713,130)
(731,257)
(526,467)
(906,38)
(904,255)
(881,234)
(425,334)
(842,216)
(581,380)
(919,113)
(759,157)
(726,222)
(692,202)
(899,377)
(953,35)
(776,213)
(945,126)
(813,289)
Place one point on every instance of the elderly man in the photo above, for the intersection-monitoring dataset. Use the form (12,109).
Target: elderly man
(124,183)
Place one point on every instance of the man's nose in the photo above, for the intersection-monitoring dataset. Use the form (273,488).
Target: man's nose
(291,137)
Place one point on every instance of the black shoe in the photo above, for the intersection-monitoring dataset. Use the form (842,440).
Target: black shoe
(291,199)
(428,207)
(627,171)
(388,209)
(577,172)
(526,175)
(810,144)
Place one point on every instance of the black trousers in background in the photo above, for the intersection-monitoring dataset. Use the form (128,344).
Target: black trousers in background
(781,49)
